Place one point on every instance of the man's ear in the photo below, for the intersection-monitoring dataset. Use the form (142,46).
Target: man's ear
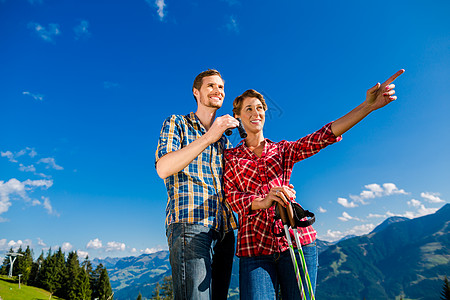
(196,93)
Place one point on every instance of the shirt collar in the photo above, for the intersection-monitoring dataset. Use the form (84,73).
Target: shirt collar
(243,147)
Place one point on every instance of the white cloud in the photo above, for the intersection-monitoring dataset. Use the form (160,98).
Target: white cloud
(371,216)
(133,250)
(322,210)
(45,184)
(94,244)
(160,5)
(38,97)
(232,25)
(12,156)
(115,246)
(41,242)
(82,31)
(48,206)
(82,254)
(30,168)
(375,190)
(15,245)
(152,250)
(50,162)
(14,187)
(423,211)
(333,236)
(432,197)
(32,152)
(45,34)
(9,155)
(346,217)
(414,203)
(344,202)
(66,247)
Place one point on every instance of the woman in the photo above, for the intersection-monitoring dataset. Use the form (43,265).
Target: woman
(256,176)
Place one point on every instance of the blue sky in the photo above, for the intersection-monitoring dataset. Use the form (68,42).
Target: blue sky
(86,85)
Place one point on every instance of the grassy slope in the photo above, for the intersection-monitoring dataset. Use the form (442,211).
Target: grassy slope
(9,290)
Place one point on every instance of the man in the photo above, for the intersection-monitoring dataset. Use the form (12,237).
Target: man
(199,223)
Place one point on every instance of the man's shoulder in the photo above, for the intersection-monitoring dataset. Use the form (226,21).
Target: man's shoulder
(176,118)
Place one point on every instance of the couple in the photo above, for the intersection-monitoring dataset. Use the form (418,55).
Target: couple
(205,178)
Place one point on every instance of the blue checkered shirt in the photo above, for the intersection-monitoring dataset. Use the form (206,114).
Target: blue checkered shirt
(195,194)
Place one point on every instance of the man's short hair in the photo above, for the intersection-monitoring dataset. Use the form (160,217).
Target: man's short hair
(198,81)
(237,103)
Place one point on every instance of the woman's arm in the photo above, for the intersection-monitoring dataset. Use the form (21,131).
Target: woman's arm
(378,96)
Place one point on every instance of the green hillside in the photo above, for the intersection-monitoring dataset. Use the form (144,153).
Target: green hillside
(407,259)
(9,290)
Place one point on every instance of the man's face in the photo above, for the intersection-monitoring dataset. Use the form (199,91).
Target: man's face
(211,93)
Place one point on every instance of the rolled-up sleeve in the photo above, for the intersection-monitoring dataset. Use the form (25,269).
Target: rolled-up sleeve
(310,144)
(169,138)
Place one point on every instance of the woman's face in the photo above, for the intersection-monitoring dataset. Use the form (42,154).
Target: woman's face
(252,115)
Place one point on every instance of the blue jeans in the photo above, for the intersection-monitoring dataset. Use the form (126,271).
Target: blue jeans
(201,259)
(260,277)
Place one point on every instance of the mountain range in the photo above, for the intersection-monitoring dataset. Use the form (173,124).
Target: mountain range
(401,258)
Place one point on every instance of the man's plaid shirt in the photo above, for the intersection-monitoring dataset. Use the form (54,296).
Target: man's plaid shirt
(247,177)
(195,194)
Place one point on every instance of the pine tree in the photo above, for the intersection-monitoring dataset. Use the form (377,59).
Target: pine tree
(156,292)
(164,291)
(83,290)
(24,264)
(104,286)
(445,293)
(36,274)
(167,287)
(49,278)
(95,277)
(139,296)
(101,287)
(73,269)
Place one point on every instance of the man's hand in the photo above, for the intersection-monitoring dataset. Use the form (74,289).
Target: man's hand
(219,126)
(382,94)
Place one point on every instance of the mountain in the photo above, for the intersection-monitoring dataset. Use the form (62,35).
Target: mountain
(388,222)
(130,275)
(322,245)
(399,257)
(406,259)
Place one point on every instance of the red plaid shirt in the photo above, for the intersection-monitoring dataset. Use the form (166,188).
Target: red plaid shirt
(247,177)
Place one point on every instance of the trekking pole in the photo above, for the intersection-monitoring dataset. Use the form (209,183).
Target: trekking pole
(285,221)
(294,226)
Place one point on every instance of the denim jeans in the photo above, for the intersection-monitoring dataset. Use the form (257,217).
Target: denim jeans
(260,277)
(201,259)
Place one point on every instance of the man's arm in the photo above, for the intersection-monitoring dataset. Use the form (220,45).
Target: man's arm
(378,96)
(176,161)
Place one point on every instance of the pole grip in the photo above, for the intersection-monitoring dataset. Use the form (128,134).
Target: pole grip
(290,213)
(283,214)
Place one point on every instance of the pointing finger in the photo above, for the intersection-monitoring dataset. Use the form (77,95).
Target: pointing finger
(393,77)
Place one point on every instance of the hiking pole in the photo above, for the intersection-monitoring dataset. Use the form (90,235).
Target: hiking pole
(290,212)
(284,220)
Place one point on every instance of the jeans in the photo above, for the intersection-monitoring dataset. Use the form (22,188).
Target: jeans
(201,259)
(260,277)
